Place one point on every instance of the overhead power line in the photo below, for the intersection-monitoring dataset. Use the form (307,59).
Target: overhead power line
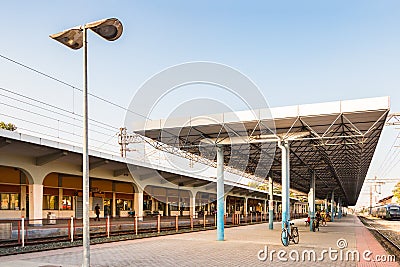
(50,105)
(50,118)
(388,156)
(72,86)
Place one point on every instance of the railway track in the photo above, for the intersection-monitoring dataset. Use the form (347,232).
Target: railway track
(381,228)
(56,242)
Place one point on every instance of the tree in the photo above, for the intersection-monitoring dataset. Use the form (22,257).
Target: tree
(7,126)
(253,184)
(396,192)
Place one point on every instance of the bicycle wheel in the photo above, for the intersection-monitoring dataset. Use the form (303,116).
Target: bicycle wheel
(295,235)
(313,226)
(284,237)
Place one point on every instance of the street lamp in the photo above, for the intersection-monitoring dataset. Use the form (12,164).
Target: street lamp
(75,38)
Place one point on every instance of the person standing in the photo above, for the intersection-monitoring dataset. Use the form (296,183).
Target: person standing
(317,219)
(323,218)
(97,211)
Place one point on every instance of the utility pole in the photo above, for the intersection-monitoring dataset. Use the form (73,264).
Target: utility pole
(373,189)
(122,141)
(125,139)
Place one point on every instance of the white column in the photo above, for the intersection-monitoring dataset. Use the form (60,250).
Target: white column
(138,205)
(166,206)
(114,205)
(23,201)
(193,203)
(332,208)
(311,200)
(153,204)
(60,198)
(245,206)
(35,203)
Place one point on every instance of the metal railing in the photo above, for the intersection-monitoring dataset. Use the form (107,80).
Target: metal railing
(24,232)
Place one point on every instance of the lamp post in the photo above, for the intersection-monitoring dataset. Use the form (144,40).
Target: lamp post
(75,38)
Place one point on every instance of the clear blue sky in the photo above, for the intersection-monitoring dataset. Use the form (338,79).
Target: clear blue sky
(297,52)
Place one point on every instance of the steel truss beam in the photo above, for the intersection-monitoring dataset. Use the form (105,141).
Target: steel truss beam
(339,151)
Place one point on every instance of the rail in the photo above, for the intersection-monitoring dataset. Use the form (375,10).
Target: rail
(380,232)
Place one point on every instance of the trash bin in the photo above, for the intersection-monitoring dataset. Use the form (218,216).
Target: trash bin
(51,218)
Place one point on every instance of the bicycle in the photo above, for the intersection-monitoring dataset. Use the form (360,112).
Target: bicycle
(315,225)
(292,236)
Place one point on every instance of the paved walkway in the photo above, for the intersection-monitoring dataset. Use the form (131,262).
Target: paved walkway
(241,248)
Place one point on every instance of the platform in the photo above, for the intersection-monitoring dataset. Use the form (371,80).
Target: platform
(241,247)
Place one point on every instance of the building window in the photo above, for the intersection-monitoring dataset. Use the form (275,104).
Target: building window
(123,204)
(147,202)
(50,202)
(9,201)
(184,204)
(67,203)
(173,206)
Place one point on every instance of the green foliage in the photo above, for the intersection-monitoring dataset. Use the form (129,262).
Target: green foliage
(7,126)
(263,187)
(396,192)
(253,184)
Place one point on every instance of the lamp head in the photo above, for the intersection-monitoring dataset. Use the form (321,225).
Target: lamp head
(73,38)
(109,29)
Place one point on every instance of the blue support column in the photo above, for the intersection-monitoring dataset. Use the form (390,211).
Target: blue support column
(311,200)
(284,146)
(332,208)
(288,181)
(339,208)
(271,203)
(220,194)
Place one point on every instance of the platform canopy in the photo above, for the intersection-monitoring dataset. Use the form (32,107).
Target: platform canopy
(336,140)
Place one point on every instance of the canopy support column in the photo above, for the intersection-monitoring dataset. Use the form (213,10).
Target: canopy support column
(326,204)
(271,203)
(311,200)
(245,208)
(220,193)
(332,208)
(284,146)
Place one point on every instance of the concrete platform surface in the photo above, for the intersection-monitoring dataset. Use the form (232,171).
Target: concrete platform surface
(340,243)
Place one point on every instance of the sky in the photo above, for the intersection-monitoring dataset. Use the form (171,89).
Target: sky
(297,52)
